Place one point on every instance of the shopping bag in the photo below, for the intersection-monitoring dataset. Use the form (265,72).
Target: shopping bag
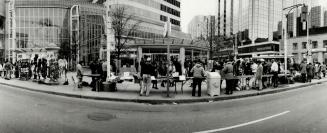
(223,84)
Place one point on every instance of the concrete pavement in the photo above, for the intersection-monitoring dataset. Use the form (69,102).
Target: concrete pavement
(129,91)
(29,112)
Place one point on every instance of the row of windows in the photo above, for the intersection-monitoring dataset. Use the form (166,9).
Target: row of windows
(173,21)
(174,2)
(163,18)
(314,45)
(170,10)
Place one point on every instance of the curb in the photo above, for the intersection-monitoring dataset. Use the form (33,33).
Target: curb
(168,101)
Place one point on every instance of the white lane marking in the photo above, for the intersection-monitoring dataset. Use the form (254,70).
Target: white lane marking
(243,124)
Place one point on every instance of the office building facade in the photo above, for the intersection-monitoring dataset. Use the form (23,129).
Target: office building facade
(154,14)
(2,29)
(255,23)
(67,25)
(298,42)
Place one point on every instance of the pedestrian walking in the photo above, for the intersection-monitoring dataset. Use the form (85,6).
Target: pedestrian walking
(259,74)
(310,72)
(79,75)
(274,70)
(198,75)
(303,71)
(156,73)
(147,71)
(323,69)
(1,69)
(229,76)
(317,70)
(104,70)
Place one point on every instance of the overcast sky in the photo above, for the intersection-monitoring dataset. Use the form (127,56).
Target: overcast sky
(191,8)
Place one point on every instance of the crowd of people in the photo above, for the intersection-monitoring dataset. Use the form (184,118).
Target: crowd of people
(256,71)
(37,69)
(311,71)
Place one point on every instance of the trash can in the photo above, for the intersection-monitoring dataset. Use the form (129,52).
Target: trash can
(213,84)
(109,86)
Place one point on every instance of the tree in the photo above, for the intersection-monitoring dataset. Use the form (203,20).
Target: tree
(124,25)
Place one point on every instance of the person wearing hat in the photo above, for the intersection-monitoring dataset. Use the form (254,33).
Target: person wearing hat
(229,76)
(147,71)
(259,74)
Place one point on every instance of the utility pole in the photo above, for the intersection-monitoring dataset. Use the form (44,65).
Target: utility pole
(284,31)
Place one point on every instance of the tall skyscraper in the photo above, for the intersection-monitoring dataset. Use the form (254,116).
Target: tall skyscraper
(2,28)
(254,22)
(317,16)
(200,26)
(325,18)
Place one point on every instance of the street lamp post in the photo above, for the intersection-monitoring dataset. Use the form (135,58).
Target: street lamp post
(167,30)
(308,40)
(109,38)
(285,34)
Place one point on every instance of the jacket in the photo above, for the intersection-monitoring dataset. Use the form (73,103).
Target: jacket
(228,71)
(259,72)
(198,71)
(310,70)
(303,68)
(147,68)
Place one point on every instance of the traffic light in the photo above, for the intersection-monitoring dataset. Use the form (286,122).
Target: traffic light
(304,13)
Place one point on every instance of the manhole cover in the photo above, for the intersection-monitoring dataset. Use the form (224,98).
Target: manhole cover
(101,116)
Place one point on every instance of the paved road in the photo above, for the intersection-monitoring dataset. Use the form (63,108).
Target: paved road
(303,110)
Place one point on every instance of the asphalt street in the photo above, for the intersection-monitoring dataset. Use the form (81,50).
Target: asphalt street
(298,111)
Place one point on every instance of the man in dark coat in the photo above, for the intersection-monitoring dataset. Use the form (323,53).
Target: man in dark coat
(310,70)
(229,76)
(303,71)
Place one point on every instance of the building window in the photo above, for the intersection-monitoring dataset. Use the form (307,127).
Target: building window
(314,44)
(304,45)
(325,43)
(294,46)
(170,10)
(163,18)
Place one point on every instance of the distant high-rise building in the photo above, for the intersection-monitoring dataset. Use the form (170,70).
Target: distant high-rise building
(254,22)
(200,26)
(2,28)
(317,16)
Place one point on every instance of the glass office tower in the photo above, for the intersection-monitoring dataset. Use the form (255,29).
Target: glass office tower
(46,24)
(255,22)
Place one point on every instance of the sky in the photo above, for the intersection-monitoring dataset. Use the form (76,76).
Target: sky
(191,8)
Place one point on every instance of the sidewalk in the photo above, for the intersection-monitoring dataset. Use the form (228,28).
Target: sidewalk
(129,92)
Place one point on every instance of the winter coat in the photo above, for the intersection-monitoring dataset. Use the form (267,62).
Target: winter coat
(147,68)
(228,71)
(303,68)
(198,71)
(310,70)
(259,72)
